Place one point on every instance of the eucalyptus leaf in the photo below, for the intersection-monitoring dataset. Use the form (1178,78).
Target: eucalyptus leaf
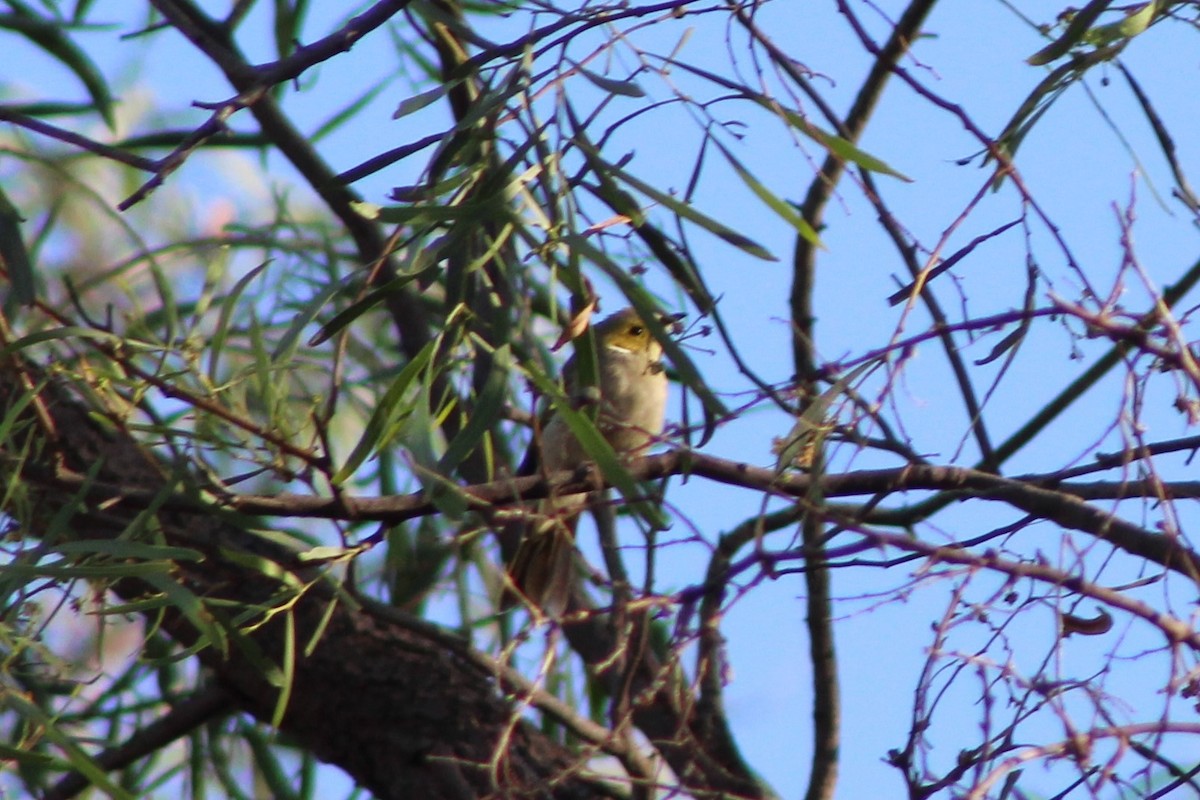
(392,407)
(14,257)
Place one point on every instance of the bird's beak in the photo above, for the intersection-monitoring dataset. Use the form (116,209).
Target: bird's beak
(672,321)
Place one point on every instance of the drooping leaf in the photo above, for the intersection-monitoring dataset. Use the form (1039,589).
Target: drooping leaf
(784,209)
(811,426)
(288,668)
(14,258)
(80,761)
(350,111)
(285,347)
(419,101)
(838,145)
(627,88)
(690,213)
(394,406)
(487,409)
(229,307)
(187,603)
(49,35)
(122,548)
(1073,35)
(369,301)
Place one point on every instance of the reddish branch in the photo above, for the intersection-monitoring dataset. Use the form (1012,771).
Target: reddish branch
(1043,496)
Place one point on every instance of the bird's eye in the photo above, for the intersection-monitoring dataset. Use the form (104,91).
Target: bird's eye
(636,330)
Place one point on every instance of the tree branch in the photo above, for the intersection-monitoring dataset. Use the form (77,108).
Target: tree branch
(373,696)
(182,718)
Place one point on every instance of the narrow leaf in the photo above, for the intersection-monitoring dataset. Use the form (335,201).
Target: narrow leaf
(419,101)
(349,113)
(192,607)
(839,146)
(380,429)
(688,212)
(782,208)
(119,548)
(285,347)
(289,669)
(627,87)
(81,762)
(366,303)
(486,410)
(229,307)
(805,437)
(14,258)
(49,36)
(1072,36)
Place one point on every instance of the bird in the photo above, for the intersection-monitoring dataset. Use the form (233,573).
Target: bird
(632,385)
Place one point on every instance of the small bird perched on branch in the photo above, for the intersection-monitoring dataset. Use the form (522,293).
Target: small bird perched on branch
(633,399)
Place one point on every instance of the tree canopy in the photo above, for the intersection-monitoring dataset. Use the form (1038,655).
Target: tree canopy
(290,285)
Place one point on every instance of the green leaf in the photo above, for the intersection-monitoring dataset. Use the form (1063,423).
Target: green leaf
(66,569)
(812,425)
(351,110)
(784,209)
(48,35)
(486,410)
(275,779)
(262,370)
(421,440)
(369,301)
(323,623)
(627,88)
(119,548)
(289,669)
(265,566)
(289,20)
(81,762)
(1072,36)
(134,607)
(167,313)
(431,213)
(17,754)
(381,428)
(285,348)
(187,603)
(419,101)
(841,147)
(229,307)
(14,258)
(679,207)
(323,553)
(415,560)
(56,334)
(1136,22)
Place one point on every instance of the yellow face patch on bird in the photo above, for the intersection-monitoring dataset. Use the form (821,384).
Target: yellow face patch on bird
(626,332)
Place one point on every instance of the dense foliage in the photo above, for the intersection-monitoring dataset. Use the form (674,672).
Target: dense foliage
(287,285)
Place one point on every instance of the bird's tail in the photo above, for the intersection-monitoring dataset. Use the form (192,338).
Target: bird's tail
(543,567)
